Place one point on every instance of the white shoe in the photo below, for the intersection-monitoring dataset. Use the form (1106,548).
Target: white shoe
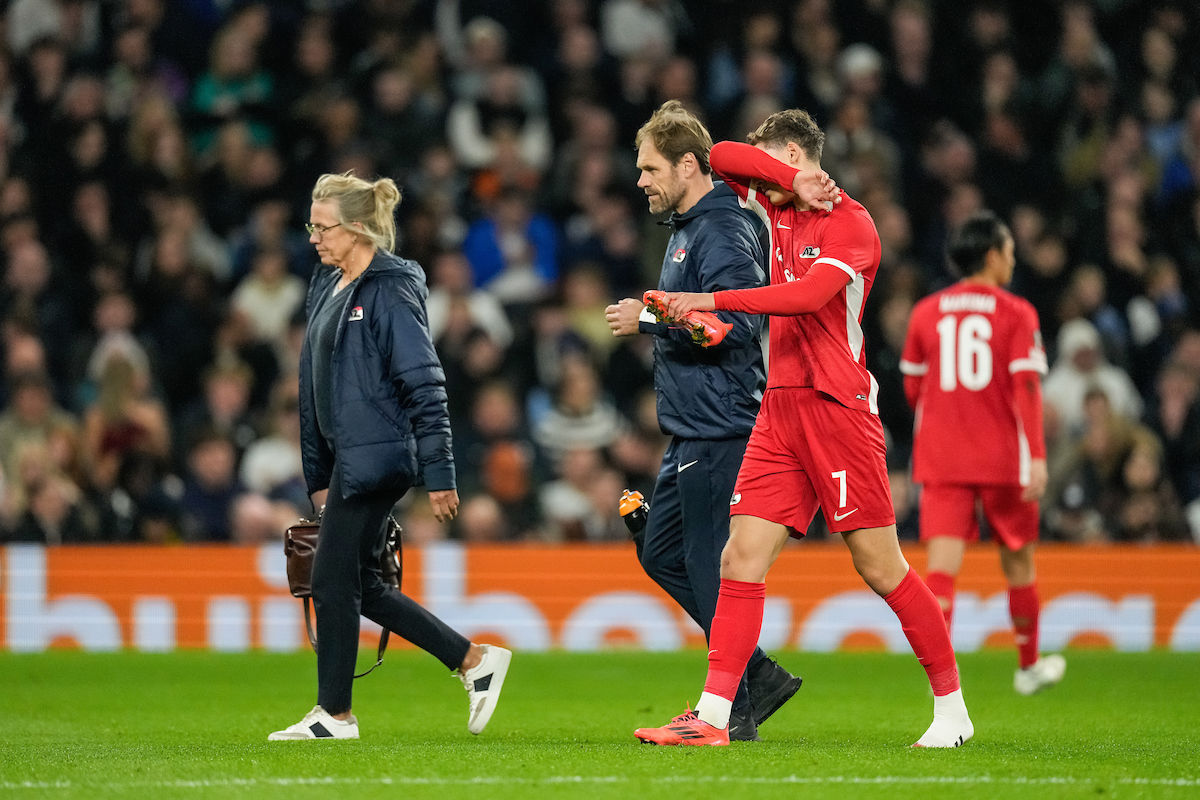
(951,726)
(1042,674)
(483,684)
(317,724)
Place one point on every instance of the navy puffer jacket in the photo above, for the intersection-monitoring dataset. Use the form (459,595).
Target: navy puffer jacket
(390,422)
(714,392)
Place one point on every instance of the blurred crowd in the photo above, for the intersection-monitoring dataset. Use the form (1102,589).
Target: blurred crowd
(156,160)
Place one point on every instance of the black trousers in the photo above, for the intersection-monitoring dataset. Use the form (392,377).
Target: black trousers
(689,526)
(346,582)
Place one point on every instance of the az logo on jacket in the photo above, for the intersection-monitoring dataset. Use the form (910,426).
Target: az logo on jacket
(679,254)
(356,313)
(810,252)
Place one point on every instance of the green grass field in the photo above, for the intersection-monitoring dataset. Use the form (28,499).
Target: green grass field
(194,725)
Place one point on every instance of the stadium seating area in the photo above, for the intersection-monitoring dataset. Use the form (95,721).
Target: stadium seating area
(156,159)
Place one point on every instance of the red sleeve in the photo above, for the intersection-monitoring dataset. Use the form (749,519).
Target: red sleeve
(816,288)
(1028,354)
(1027,391)
(914,362)
(1027,366)
(739,164)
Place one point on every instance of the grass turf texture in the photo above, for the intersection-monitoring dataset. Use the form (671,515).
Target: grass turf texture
(194,725)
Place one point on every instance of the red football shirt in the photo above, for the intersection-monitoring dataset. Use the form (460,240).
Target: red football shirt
(965,344)
(823,349)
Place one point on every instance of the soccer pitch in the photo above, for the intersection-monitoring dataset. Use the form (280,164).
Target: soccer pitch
(194,725)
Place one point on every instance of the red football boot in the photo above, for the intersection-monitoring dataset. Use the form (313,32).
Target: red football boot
(686,729)
(706,328)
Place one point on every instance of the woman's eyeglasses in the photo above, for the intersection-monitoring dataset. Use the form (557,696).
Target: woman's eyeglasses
(319,230)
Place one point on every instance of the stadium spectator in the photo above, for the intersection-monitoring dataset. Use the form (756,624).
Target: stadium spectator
(581,417)
(47,306)
(1079,367)
(860,156)
(271,466)
(405,122)
(40,504)
(223,408)
(362,453)
(136,73)
(126,445)
(1085,475)
(32,415)
(269,296)
(268,229)
(514,250)
(233,88)
(1147,508)
(1176,421)
(495,457)
(641,27)
(485,129)
(451,280)
(579,506)
(210,488)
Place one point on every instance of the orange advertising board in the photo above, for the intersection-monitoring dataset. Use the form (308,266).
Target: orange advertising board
(573,597)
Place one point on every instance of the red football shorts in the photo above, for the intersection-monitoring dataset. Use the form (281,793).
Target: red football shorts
(807,450)
(948,509)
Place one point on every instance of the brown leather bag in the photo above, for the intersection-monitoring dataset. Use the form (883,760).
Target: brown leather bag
(300,546)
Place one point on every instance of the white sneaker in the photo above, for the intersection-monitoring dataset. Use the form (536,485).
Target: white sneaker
(317,724)
(952,726)
(1042,674)
(483,684)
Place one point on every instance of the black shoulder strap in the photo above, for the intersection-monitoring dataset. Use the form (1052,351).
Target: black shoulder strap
(312,637)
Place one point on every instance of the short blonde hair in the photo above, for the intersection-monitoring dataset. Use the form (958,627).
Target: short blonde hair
(370,204)
(675,132)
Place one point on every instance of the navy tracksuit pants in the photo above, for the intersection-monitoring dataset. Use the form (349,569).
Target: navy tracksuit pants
(688,528)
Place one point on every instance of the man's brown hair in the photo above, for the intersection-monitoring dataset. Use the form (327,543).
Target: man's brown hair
(793,125)
(675,132)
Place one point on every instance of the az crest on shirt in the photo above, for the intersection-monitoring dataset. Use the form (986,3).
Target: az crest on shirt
(356,313)
(679,254)
(811,251)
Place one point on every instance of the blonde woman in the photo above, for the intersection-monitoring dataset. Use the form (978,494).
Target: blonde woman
(373,423)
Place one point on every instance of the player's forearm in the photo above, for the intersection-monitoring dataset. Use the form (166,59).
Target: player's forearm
(815,289)
(742,163)
(1028,397)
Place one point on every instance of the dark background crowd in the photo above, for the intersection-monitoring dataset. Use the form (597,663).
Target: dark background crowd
(156,159)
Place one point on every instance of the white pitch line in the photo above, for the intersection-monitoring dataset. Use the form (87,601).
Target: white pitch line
(601,779)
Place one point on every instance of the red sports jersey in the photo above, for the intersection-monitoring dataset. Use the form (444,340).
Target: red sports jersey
(822,350)
(965,345)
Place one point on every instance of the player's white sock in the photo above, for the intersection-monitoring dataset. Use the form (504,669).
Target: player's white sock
(714,710)
(951,724)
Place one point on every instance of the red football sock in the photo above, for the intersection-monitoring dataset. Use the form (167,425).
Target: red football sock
(734,635)
(942,586)
(921,617)
(1023,606)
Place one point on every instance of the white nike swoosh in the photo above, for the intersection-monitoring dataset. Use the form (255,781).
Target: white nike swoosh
(781,225)
(840,517)
(682,467)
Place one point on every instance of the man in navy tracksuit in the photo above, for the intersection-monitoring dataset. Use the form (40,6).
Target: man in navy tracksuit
(708,398)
